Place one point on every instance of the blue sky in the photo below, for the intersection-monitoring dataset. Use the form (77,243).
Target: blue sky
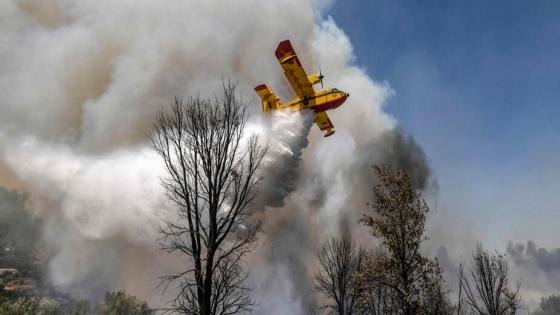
(477,84)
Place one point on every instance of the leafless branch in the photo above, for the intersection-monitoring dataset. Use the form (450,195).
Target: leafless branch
(211,179)
(338,261)
(486,286)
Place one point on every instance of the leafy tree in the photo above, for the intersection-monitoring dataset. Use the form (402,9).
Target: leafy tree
(212,180)
(82,307)
(373,297)
(436,299)
(486,286)
(19,232)
(120,303)
(406,281)
(115,303)
(338,260)
(31,305)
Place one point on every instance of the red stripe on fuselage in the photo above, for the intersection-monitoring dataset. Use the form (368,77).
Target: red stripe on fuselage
(329,105)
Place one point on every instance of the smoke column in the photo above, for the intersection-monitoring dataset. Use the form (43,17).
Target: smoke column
(81,82)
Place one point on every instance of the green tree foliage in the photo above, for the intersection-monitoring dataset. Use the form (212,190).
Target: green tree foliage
(399,279)
(80,308)
(549,306)
(115,303)
(19,232)
(120,303)
(31,306)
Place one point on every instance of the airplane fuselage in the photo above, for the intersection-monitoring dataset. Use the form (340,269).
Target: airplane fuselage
(323,100)
(307,98)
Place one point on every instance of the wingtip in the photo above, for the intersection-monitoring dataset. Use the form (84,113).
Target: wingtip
(329,133)
(260,87)
(283,47)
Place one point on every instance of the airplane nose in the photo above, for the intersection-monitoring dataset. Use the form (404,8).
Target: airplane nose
(347,94)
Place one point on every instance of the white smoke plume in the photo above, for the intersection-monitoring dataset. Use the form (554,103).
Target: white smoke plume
(81,82)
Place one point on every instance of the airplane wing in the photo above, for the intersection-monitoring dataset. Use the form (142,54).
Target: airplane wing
(293,70)
(322,120)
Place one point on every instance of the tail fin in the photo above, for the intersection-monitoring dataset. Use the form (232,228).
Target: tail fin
(269,99)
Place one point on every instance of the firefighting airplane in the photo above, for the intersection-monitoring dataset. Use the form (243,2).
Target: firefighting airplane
(306,97)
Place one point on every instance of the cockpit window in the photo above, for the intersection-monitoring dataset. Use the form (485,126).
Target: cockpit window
(334,90)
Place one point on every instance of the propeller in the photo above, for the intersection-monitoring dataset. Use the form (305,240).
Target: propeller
(321,77)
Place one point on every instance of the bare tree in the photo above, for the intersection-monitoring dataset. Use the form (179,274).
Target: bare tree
(411,280)
(211,178)
(460,297)
(338,260)
(486,286)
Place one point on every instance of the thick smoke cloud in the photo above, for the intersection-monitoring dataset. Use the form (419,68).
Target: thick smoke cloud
(81,83)
(536,269)
(539,267)
(320,206)
(403,152)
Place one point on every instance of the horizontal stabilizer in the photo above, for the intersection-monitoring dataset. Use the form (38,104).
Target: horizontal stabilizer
(269,99)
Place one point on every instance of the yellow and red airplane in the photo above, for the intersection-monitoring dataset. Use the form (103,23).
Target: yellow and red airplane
(306,97)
